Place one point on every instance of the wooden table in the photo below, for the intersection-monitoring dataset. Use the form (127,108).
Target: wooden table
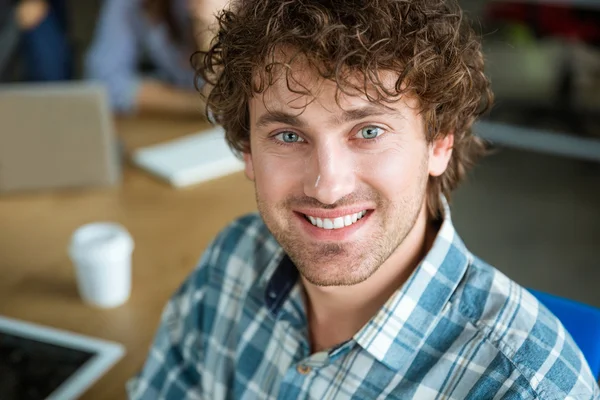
(171,228)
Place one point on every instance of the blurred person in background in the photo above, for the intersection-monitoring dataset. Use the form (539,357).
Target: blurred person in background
(33,36)
(163,32)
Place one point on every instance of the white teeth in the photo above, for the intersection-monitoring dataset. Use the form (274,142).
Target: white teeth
(337,223)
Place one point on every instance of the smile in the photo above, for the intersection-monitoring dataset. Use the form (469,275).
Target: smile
(336,223)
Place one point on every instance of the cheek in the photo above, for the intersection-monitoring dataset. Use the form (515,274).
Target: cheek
(278,177)
(393,171)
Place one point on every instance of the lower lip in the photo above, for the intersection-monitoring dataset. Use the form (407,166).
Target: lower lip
(332,235)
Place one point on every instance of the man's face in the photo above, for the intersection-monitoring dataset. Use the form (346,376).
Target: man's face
(340,186)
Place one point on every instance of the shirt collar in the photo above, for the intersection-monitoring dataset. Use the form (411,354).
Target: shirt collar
(401,326)
(404,322)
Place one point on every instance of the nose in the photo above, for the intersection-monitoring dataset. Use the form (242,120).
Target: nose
(329,173)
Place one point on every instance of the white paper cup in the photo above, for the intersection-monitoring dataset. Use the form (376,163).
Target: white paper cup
(101,253)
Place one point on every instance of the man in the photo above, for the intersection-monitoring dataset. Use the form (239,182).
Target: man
(354,120)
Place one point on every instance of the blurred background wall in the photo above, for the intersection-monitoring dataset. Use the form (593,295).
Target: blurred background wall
(533,213)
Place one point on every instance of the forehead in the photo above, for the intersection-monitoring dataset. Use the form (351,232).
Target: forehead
(297,84)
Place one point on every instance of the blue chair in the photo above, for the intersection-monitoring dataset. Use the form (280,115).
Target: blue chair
(581,321)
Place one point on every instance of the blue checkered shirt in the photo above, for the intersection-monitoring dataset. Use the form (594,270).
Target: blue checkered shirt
(457,329)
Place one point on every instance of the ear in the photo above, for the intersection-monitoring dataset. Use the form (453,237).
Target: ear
(249,168)
(440,151)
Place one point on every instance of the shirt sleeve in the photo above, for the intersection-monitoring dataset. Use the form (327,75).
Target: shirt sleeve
(113,55)
(9,37)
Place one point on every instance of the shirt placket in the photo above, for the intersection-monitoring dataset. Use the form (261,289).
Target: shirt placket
(299,376)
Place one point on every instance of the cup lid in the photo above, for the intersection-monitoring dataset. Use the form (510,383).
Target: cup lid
(100,237)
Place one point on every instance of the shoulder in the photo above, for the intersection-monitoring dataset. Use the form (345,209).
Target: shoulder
(525,333)
(215,290)
(240,253)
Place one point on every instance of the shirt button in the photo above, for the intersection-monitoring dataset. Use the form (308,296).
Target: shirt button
(303,369)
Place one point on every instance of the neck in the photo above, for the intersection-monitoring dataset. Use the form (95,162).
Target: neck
(347,309)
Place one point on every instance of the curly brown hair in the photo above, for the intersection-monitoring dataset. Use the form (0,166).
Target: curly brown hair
(427,42)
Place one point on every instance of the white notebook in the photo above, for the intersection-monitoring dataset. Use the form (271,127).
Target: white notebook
(191,159)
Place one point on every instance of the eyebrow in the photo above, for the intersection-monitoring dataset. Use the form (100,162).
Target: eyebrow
(280,117)
(356,114)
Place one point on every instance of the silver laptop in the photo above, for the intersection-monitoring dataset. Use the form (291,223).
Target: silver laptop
(56,135)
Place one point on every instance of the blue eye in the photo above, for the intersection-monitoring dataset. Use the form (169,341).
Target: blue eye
(370,132)
(289,137)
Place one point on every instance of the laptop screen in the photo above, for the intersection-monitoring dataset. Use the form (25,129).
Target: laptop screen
(32,370)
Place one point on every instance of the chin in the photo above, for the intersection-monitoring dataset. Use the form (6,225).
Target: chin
(339,274)
(332,281)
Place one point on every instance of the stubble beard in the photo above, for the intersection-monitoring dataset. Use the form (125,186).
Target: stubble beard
(349,263)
